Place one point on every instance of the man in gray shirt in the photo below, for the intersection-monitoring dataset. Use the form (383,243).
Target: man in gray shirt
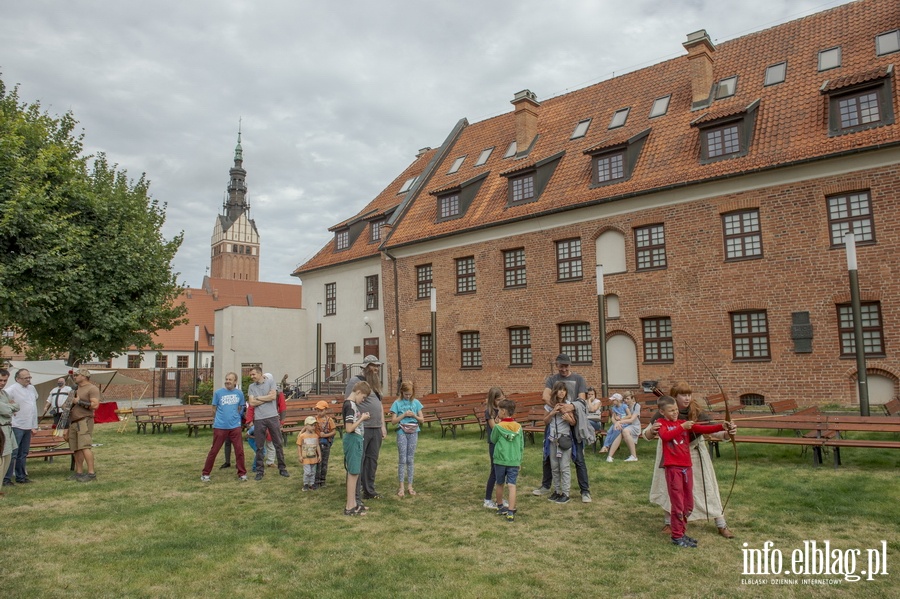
(374,432)
(262,396)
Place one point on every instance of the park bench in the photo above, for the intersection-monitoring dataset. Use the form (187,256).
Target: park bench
(716,403)
(142,418)
(46,445)
(199,417)
(892,408)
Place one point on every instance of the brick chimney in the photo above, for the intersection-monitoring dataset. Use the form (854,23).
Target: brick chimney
(701,53)
(422,151)
(527,110)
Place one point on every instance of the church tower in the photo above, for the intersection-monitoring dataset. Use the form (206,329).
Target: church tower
(234,252)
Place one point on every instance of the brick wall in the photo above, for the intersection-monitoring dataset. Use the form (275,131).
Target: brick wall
(798,272)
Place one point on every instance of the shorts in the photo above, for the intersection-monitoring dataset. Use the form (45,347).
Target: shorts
(80,434)
(506,475)
(353,449)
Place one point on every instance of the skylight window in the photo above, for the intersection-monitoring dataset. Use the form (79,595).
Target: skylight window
(407,185)
(485,154)
(456,164)
(726,88)
(775,73)
(619,118)
(511,150)
(660,106)
(887,43)
(830,59)
(581,129)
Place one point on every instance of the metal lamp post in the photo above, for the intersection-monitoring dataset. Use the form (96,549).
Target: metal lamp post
(318,348)
(196,354)
(856,309)
(601,309)
(434,340)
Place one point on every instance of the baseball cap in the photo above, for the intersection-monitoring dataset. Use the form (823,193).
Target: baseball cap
(309,420)
(321,405)
(371,360)
(616,397)
(563,359)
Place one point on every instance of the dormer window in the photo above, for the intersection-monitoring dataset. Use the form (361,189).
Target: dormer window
(619,118)
(859,101)
(342,239)
(581,129)
(610,167)
(726,88)
(660,106)
(375,230)
(511,150)
(830,58)
(728,135)
(614,163)
(456,164)
(521,188)
(483,157)
(448,206)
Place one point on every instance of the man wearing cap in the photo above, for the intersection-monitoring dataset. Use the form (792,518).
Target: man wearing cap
(228,403)
(375,430)
(56,400)
(263,399)
(326,430)
(24,422)
(81,424)
(577,389)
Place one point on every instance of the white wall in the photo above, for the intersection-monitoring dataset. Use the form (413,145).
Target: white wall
(346,329)
(274,337)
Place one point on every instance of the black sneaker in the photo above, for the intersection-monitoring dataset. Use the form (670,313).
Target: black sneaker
(690,540)
(224,466)
(259,475)
(682,542)
(562,499)
(554,496)
(502,510)
(87,477)
(284,473)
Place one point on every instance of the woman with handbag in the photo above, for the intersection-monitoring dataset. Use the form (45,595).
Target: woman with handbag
(406,413)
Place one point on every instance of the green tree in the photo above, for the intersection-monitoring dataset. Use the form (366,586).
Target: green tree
(84,268)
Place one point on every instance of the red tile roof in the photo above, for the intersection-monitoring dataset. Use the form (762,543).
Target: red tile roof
(791,123)
(362,247)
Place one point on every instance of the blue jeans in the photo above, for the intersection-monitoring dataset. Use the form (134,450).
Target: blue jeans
(17,459)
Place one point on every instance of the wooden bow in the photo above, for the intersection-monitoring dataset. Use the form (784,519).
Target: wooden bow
(727,419)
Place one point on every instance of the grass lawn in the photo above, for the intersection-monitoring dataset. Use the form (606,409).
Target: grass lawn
(149,528)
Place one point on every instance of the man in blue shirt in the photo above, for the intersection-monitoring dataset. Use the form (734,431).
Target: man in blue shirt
(228,403)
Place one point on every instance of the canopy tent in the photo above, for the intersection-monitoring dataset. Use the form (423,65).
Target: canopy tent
(44,374)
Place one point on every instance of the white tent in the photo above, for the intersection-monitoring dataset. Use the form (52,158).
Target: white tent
(44,374)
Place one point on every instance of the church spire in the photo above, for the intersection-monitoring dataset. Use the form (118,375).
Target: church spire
(236,201)
(238,150)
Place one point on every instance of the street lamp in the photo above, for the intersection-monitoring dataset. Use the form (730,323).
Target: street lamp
(601,309)
(856,309)
(196,354)
(434,340)
(318,348)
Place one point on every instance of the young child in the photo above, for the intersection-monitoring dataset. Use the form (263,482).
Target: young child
(495,394)
(617,411)
(326,430)
(308,452)
(406,413)
(560,420)
(353,445)
(677,462)
(509,442)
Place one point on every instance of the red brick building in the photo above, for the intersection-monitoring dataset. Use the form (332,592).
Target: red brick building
(714,188)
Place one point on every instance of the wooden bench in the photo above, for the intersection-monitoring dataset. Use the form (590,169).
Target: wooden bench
(142,418)
(46,445)
(199,417)
(892,408)
(716,403)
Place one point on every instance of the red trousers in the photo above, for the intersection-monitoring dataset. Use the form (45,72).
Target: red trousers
(680,483)
(220,436)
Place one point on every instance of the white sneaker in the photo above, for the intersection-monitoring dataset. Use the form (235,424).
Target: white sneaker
(490,504)
(505,503)
(541,491)
(608,459)
(204,479)
(586,498)
(631,458)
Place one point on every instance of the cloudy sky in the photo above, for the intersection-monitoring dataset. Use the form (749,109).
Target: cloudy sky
(336,98)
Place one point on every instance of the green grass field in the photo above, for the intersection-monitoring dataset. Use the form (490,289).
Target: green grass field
(149,528)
